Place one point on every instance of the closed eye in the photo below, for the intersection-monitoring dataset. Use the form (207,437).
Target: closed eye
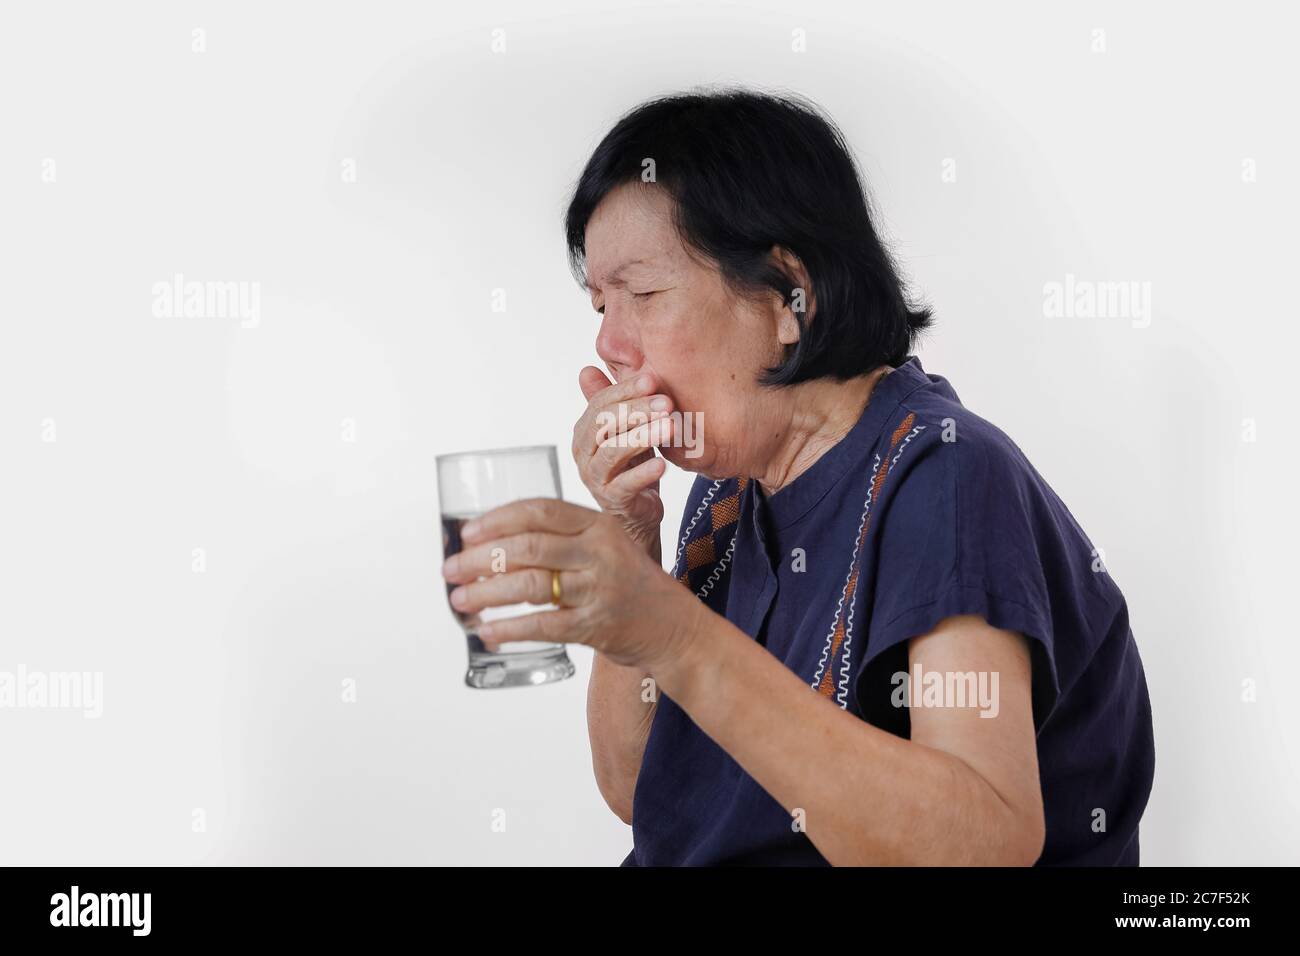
(635,295)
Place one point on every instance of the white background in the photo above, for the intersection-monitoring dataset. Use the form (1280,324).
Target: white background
(222,689)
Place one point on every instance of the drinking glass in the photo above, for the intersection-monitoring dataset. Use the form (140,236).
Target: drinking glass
(469,484)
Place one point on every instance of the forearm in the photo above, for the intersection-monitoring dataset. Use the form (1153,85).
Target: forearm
(618,725)
(867,796)
(620,709)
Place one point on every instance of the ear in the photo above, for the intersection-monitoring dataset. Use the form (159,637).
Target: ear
(801,302)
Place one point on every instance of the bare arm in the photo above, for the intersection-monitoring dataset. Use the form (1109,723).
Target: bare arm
(963,790)
(623,477)
(618,724)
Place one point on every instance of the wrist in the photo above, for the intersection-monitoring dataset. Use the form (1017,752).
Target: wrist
(647,539)
(691,652)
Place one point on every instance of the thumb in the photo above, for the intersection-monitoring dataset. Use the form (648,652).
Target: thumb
(592,380)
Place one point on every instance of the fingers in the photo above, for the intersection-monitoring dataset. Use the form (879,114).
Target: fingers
(632,397)
(531,586)
(632,482)
(623,417)
(531,549)
(642,383)
(552,627)
(530,514)
(591,380)
(617,453)
(616,424)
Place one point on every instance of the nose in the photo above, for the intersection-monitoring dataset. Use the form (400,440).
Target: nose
(618,343)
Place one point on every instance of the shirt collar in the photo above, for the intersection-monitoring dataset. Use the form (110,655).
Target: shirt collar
(800,496)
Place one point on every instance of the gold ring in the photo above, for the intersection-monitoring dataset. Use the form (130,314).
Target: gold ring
(556,595)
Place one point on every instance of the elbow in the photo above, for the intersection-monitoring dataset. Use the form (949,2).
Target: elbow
(623,811)
(1025,839)
(616,794)
(620,805)
(1005,838)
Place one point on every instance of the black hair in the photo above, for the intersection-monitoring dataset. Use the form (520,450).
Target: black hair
(748,171)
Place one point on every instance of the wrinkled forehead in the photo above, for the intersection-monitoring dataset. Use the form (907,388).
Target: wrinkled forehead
(631,233)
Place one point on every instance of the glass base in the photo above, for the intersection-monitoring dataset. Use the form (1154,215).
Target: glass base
(488,671)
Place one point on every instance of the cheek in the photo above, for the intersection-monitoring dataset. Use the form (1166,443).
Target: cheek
(705,351)
(672,351)
(717,416)
(709,358)
(722,384)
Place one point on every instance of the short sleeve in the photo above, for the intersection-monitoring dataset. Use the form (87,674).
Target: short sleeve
(958,532)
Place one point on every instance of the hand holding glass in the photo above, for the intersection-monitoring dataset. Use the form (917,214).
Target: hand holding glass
(469,484)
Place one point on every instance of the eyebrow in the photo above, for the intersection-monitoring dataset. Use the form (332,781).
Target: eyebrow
(616,277)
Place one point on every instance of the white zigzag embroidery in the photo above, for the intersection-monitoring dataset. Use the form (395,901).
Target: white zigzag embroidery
(841,694)
(681,545)
(707,586)
(839,606)
(721,566)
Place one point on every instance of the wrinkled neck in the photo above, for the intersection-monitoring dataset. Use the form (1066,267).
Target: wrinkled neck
(821,413)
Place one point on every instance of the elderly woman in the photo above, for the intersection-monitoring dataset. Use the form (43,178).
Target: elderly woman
(884,640)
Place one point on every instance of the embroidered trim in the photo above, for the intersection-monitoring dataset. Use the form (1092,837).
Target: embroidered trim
(841,632)
(704,590)
(846,666)
(730,515)
(681,547)
(848,580)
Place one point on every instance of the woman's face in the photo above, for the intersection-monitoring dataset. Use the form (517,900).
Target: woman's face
(670,314)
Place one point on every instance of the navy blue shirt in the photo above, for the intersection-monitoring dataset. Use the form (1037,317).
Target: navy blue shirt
(923,511)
